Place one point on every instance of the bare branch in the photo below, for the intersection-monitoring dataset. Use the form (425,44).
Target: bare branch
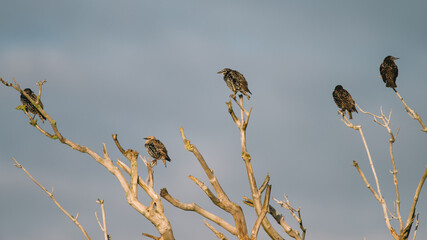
(256,193)
(296,213)
(151,236)
(279,219)
(156,217)
(150,177)
(264,184)
(412,113)
(224,202)
(411,216)
(195,208)
(50,194)
(261,216)
(416,226)
(377,194)
(104,222)
(217,233)
(208,192)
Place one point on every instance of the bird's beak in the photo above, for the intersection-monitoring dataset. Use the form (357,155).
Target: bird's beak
(219,72)
(397,58)
(146,138)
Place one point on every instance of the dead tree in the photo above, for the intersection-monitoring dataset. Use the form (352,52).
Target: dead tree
(155,211)
(220,198)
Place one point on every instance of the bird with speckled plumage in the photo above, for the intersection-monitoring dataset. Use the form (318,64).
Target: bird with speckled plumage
(29,106)
(344,101)
(389,72)
(236,82)
(156,149)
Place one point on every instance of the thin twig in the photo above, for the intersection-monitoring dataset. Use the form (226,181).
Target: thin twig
(385,122)
(416,226)
(50,194)
(296,213)
(412,113)
(104,222)
(377,194)
(151,236)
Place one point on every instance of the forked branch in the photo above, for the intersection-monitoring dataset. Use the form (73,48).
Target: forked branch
(384,121)
(103,226)
(221,200)
(155,216)
(377,194)
(296,213)
(196,208)
(217,233)
(242,125)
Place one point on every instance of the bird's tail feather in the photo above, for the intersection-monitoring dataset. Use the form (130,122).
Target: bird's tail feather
(247,95)
(391,84)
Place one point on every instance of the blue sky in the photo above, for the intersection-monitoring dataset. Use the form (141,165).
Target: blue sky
(140,68)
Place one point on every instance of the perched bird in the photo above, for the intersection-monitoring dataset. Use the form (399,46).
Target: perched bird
(344,101)
(30,107)
(236,82)
(156,149)
(389,72)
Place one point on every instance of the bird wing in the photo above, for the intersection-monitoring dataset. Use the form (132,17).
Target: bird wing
(389,71)
(161,149)
(349,103)
(337,98)
(152,150)
(383,71)
(242,83)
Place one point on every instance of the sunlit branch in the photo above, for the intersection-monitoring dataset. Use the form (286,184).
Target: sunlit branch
(261,216)
(223,201)
(242,124)
(196,208)
(132,156)
(156,217)
(216,232)
(280,219)
(296,213)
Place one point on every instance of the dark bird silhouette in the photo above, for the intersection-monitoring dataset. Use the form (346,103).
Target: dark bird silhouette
(29,106)
(236,82)
(389,72)
(344,101)
(156,149)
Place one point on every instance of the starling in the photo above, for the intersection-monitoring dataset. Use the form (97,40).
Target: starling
(30,107)
(344,101)
(236,82)
(389,72)
(156,149)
